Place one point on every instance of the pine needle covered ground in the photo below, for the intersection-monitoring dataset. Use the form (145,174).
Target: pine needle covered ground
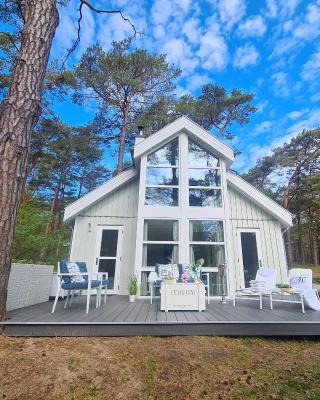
(159,368)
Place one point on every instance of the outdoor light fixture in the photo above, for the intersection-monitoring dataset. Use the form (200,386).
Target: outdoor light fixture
(89,226)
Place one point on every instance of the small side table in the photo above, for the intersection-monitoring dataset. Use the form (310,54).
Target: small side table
(296,296)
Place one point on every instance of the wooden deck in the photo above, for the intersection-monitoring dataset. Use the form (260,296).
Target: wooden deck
(120,318)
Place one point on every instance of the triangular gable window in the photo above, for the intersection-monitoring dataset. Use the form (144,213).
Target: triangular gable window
(162,178)
(204,177)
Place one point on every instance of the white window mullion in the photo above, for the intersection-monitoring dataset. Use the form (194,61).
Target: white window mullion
(184,199)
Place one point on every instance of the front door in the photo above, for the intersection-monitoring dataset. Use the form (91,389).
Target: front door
(249,254)
(108,254)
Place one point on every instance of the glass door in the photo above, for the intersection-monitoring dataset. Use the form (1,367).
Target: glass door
(108,254)
(249,254)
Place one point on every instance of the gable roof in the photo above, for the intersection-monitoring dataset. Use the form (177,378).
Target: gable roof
(260,199)
(162,136)
(97,194)
(203,136)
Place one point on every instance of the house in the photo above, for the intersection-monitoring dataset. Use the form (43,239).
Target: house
(179,203)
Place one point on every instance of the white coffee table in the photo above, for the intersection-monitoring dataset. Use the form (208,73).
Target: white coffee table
(295,296)
(180,296)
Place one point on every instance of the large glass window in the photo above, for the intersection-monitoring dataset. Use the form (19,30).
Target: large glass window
(204,177)
(207,242)
(160,242)
(162,178)
(206,231)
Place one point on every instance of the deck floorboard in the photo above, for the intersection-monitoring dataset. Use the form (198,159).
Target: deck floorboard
(119,317)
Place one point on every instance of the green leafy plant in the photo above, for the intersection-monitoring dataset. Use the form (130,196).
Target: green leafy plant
(196,266)
(133,285)
(283,286)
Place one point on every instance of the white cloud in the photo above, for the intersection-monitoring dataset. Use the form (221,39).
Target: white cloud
(311,69)
(315,97)
(245,56)
(213,50)
(288,7)
(309,29)
(296,114)
(272,8)
(87,31)
(196,81)
(231,11)
(283,46)
(159,32)
(179,53)
(161,11)
(112,27)
(253,26)
(252,153)
(310,121)
(280,84)
(262,127)
(192,30)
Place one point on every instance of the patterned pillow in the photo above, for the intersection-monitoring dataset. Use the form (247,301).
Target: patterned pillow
(73,268)
(168,270)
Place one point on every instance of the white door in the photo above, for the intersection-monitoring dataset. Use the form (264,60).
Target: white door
(250,254)
(108,254)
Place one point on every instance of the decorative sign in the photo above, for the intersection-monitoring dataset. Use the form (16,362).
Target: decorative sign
(182,296)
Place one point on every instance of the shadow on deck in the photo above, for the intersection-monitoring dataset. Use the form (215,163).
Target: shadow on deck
(120,318)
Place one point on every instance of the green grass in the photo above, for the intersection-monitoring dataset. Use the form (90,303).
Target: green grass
(147,368)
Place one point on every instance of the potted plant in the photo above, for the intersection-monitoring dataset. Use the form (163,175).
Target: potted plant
(169,279)
(133,288)
(284,287)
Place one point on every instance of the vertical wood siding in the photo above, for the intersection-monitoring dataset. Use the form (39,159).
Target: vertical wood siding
(119,208)
(246,214)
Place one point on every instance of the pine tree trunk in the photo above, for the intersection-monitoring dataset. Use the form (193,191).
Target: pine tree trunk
(18,115)
(122,140)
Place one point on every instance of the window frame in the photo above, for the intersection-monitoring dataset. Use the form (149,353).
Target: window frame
(173,242)
(210,243)
(190,167)
(176,166)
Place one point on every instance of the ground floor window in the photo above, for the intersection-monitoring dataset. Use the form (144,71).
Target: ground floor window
(161,239)
(160,242)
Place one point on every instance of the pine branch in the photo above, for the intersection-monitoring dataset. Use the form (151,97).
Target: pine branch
(98,11)
(11,39)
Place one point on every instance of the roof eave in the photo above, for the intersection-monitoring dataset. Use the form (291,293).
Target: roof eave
(184,123)
(255,195)
(91,198)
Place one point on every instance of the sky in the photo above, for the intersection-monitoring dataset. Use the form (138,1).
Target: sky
(267,47)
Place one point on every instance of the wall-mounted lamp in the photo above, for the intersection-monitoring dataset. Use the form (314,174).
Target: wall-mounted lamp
(89,226)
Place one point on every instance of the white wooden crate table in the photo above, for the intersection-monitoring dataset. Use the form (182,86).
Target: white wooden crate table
(179,296)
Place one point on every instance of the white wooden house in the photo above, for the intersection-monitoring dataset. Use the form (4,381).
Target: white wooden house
(180,202)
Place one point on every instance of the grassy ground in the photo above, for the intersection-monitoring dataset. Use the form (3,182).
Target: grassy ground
(158,368)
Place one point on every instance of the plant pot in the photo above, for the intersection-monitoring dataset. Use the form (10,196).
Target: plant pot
(132,298)
(169,281)
(287,290)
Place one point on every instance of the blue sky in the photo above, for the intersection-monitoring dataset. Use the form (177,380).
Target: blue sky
(268,47)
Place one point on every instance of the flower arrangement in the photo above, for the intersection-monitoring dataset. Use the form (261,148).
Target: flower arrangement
(185,277)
